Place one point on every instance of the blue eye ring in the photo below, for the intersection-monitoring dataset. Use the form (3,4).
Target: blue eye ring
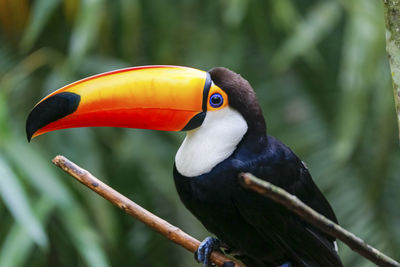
(216,100)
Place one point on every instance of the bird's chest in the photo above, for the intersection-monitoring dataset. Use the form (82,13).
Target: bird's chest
(209,196)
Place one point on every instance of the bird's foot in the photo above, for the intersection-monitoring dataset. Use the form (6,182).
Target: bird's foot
(205,249)
(286,264)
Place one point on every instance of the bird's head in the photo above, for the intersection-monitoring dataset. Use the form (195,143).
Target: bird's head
(167,98)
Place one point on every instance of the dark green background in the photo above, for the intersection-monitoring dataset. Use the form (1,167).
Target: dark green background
(319,69)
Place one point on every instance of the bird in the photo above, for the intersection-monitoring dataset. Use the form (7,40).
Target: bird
(226,135)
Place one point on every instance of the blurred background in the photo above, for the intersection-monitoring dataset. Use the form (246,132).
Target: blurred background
(319,69)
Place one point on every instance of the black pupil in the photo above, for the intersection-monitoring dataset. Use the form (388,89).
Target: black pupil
(216,100)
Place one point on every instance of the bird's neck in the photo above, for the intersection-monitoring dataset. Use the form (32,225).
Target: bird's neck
(252,145)
(213,142)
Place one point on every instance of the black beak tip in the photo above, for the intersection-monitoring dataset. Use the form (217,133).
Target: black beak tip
(29,137)
(29,130)
(49,110)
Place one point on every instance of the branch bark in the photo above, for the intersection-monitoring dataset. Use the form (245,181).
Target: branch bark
(171,232)
(249,181)
(295,205)
(392,21)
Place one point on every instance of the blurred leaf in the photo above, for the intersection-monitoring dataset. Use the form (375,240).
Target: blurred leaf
(13,25)
(40,173)
(234,11)
(42,10)
(16,247)
(71,8)
(100,64)
(15,198)
(285,15)
(7,59)
(3,118)
(131,16)
(84,238)
(86,30)
(320,21)
(23,71)
(357,72)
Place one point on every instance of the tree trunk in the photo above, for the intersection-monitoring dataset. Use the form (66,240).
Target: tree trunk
(392,21)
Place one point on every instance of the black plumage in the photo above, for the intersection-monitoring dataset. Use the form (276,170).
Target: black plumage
(263,232)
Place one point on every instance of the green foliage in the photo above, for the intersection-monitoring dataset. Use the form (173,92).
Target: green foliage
(319,69)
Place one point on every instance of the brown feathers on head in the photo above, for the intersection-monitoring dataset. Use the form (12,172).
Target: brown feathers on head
(241,96)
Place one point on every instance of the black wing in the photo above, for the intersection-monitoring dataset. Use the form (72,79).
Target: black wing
(302,243)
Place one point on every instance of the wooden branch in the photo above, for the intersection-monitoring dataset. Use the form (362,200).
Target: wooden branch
(264,188)
(392,22)
(295,205)
(171,232)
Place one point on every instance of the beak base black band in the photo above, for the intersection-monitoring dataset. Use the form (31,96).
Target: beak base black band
(206,90)
(197,120)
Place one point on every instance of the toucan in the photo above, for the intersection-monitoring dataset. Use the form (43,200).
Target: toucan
(225,136)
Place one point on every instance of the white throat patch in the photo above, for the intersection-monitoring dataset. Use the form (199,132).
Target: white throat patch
(211,143)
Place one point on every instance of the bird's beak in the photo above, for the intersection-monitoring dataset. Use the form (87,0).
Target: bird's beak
(167,98)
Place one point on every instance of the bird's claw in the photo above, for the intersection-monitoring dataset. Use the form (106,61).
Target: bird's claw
(205,249)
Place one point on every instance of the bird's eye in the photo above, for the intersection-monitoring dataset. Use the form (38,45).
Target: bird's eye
(216,100)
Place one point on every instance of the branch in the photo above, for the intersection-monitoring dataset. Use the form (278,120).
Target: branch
(295,205)
(392,21)
(171,232)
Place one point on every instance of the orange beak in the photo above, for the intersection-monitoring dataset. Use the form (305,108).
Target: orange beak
(169,98)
